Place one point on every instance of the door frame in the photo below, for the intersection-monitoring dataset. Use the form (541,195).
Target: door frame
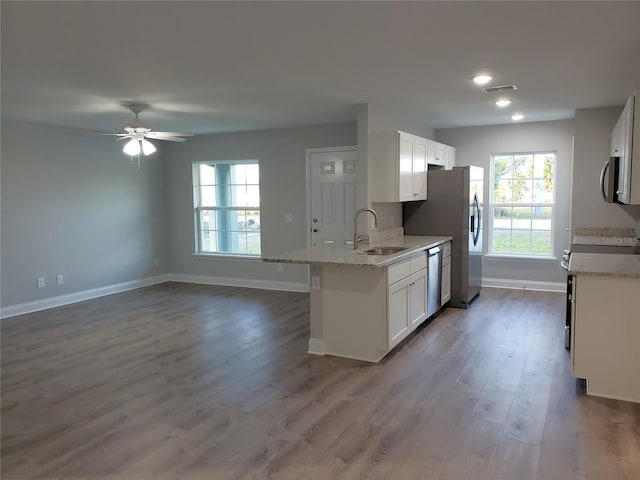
(308,152)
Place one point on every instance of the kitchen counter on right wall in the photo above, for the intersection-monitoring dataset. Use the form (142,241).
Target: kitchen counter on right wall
(605,264)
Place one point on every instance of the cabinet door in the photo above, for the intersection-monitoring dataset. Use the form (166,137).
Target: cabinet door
(450,160)
(440,154)
(398,312)
(445,290)
(419,169)
(621,139)
(405,167)
(418,298)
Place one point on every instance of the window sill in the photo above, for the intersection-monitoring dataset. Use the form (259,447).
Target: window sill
(526,258)
(224,256)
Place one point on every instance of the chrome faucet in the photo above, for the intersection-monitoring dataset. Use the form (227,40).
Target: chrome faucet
(356,239)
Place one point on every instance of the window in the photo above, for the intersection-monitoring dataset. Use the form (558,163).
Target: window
(522,203)
(227,207)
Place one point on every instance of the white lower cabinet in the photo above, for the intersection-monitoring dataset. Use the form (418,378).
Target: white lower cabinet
(366,312)
(445,288)
(605,332)
(398,326)
(406,306)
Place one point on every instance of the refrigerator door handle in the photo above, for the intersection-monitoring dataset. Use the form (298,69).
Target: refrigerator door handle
(476,233)
(603,172)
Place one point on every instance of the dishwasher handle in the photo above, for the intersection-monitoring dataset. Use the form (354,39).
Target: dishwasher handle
(434,251)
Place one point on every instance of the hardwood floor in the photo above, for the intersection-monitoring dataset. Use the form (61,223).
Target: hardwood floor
(181,381)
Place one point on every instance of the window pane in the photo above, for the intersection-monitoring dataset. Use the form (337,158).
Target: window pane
(501,241)
(239,173)
(208,196)
(239,195)
(207,220)
(522,192)
(521,218)
(523,166)
(253,174)
(207,174)
(541,242)
(502,217)
(521,241)
(541,218)
(502,192)
(502,167)
(253,196)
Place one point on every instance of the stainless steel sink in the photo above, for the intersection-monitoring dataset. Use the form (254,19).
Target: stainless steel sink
(383,250)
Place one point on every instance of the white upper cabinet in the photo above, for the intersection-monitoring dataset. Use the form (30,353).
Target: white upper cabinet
(436,153)
(397,170)
(450,157)
(622,146)
(398,165)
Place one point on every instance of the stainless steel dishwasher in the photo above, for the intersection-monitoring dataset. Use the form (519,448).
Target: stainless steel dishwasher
(434,282)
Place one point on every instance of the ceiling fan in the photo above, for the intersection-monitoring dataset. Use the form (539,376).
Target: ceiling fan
(138,134)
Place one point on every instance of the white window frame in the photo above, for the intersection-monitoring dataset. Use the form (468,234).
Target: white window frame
(493,205)
(197,209)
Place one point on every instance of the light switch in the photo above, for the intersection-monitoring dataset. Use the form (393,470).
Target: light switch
(288,218)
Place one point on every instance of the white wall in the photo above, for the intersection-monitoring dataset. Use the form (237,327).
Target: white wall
(474,146)
(281,154)
(593,128)
(76,206)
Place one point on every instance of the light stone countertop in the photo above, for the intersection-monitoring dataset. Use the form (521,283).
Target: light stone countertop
(604,240)
(343,255)
(605,264)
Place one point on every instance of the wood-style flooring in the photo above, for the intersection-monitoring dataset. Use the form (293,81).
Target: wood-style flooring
(181,381)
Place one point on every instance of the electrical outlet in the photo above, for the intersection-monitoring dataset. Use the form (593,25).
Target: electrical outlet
(156,262)
(41,282)
(280,267)
(315,281)
(60,279)
(288,218)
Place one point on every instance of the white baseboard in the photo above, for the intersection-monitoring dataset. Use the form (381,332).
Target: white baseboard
(240,282)
(59,301)
(52,302)
(524,284)
(316,347)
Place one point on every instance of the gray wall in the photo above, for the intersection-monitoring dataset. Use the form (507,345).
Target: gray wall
(381,119)
(474,146)
(281,154)
(74,205)
(593,128)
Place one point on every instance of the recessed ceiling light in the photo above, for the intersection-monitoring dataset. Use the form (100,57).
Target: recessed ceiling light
(482,79)
(503,102)
(517,117)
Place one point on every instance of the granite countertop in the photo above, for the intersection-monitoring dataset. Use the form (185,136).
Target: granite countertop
(604,240)
(605,264)
(343,255)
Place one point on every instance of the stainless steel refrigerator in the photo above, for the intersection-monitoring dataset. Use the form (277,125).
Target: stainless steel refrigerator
(454,207)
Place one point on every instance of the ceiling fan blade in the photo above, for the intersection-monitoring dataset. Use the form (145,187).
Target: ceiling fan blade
(170,139)
(167,134)
(86,131)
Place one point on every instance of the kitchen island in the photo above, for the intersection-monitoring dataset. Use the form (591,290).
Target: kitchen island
(363,305)
(605,340)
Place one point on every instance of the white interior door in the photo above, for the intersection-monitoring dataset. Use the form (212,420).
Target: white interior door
(332,185)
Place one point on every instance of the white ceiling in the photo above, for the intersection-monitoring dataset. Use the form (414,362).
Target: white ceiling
(217,67)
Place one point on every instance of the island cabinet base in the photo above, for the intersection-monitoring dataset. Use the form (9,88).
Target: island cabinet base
(363,313)
(606,336)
